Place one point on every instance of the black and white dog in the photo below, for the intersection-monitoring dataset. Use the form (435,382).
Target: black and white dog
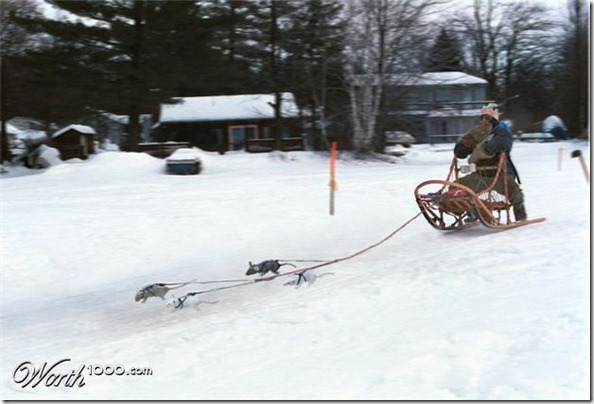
(157,290)
(264,267)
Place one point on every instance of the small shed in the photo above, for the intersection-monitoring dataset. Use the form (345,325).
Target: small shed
(75,141)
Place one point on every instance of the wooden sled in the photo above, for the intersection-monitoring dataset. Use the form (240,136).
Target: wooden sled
(448,205)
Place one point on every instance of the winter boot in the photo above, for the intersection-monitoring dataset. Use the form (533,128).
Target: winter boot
(471,217)
(520,213)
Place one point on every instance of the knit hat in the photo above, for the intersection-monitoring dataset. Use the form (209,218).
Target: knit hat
(490,110)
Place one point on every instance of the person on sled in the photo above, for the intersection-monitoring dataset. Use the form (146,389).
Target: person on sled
(483,143)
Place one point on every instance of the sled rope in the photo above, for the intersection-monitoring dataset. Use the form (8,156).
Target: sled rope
(348,257)
(179,302)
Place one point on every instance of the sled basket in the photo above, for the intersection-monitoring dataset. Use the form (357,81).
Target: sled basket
(448,205)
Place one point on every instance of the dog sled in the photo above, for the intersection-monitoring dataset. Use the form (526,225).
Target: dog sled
(448,205)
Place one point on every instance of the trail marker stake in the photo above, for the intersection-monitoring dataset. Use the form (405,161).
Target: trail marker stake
(332,184)
(578,154)
(559,160)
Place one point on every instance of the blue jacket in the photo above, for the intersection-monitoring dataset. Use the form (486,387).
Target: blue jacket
(500,140)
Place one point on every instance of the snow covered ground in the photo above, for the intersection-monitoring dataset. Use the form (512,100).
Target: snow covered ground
(475,314)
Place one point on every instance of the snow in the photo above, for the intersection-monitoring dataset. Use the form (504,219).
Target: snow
(426,315)
(48,156)
(79,128)
(553,121)
(184,154)
(436,78)
(227,107)
(537,137)
(13,129)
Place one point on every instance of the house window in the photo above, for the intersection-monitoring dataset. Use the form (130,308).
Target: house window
(267,132)
(238,135)
(217,134)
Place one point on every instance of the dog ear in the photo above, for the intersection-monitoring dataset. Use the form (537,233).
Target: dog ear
(251,265)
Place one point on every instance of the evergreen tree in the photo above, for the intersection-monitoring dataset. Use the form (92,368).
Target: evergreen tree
(13,40)
(572,83)
(446,54)
(125,57)
(315,60)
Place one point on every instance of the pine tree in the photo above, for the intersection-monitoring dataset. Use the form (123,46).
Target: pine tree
(572,85)
(315,59)
(446,54)
(125,57)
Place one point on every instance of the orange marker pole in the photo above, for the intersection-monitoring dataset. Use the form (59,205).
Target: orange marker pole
(332,175)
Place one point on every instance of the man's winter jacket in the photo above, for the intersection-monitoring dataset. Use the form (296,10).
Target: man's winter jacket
(484,151)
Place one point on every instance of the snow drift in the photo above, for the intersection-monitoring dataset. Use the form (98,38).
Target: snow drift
(429,315)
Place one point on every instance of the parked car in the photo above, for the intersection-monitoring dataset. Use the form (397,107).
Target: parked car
(537,137)
(184,161)
(399,137)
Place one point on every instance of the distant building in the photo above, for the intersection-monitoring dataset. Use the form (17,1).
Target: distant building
(115,127)
(555,126)
(230,122)
(75,141)
(433,107)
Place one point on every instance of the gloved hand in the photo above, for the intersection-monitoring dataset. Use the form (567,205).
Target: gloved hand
(480,153)
(475,135)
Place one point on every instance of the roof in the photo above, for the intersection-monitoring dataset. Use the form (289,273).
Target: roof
(426,79)
(87,130)
(445,78)
(12,129)
(227,108)
(124,119)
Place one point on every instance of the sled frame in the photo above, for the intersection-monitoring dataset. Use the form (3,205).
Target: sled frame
(489,207)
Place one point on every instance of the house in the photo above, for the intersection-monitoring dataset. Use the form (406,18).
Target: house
(113,129)
(74,141)
(434,107)
(230,122)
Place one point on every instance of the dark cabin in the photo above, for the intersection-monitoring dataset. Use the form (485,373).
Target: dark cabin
(75,141)
(231,122)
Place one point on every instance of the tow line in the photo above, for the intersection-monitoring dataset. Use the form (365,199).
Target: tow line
(179,302)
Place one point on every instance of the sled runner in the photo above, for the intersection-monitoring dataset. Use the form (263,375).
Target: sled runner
(448,205)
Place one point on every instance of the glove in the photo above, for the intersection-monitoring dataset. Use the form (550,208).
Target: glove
(480,153)
(475,135)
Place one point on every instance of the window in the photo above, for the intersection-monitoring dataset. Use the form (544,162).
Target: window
(238,135)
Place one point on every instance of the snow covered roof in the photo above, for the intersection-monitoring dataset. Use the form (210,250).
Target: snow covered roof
(12,129)
(552,122)
(445,78)
(426,79)
(453,112)
(123,119)
(79,128)
(226,108)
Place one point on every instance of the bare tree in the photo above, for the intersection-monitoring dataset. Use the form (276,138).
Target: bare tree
(381,36)
(496,34)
